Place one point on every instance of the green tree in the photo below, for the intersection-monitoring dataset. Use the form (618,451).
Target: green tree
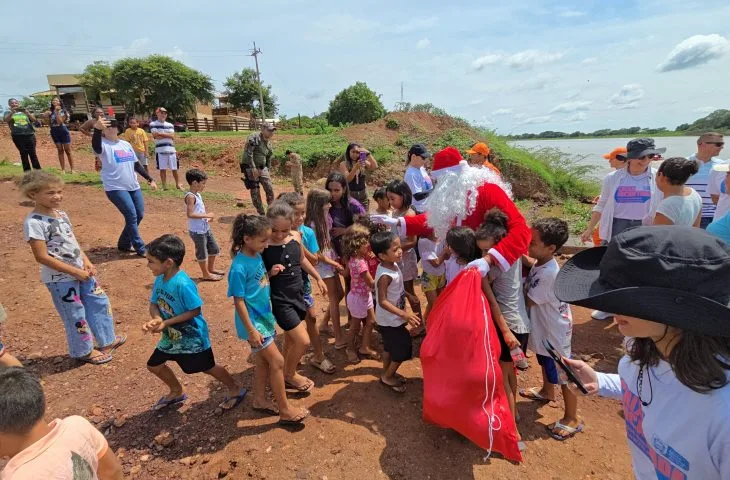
(97,78)
(242,89)
(37,104)
(355,104)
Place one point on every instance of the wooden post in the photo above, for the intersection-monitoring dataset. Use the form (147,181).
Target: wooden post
(195,124)
(299,116)
(207,125)
(235,121)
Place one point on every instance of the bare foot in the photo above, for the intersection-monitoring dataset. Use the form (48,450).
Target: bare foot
(352,355)
(369,353)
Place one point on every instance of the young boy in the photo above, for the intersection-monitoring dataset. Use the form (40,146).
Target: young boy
(6,360)
(206,248)
(67,448)
(295,168)
(550,319)
(165,154)
(137,137)
(390,314)
(381,198)
(175,308)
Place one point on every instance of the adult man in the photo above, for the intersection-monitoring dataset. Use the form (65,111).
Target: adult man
(709,146)
(479,157)
(165,154)
(295,168)
(255,164)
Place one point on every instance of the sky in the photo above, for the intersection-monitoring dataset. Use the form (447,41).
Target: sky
(524,66)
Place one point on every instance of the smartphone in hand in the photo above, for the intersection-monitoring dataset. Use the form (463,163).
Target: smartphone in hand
(568,371)
(363,157)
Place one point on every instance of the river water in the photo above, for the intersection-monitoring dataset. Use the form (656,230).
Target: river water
(589,151)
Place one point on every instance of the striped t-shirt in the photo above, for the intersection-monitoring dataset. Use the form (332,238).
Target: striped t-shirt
(163,145)
(700,181)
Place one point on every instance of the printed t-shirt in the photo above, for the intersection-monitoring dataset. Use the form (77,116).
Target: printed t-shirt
(21,124)
(700,182)
(117,166)
(549,318)
(163,145)
(137,138)
(309,240)
(175,297)
(358,266)
(53,117)
(431,250)
(418,181)
(247,279)
(71,450)
(60,240)
(395,293)
(718,186)
(681,210)
(632,197)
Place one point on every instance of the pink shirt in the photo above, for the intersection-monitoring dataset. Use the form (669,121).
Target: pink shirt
(71,450)
(358,266)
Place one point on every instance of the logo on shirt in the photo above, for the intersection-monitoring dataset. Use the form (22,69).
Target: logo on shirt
(123,156)
(631,194)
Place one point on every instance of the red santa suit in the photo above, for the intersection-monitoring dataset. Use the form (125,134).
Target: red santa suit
(489,195)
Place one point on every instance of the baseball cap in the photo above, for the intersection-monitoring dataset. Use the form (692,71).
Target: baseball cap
(480,148)
(268,126)
(420,150)
(618,153)
(161,109)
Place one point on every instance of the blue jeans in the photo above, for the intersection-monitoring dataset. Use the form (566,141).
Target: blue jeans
(704,222)
(86,314)
(131,204)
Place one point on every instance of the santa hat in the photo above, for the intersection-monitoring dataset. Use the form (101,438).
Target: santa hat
(447,160)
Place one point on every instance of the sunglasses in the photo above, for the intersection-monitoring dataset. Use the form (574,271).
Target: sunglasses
(717,144)
(653,156)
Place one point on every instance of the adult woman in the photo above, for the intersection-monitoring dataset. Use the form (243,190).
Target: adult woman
(417,177)
(57,118)
(343,208)
(629,197)
(118,166)
(357,162)
(23,134)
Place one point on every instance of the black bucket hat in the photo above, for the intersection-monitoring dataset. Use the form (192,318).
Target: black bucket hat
(639,147)
(678,276)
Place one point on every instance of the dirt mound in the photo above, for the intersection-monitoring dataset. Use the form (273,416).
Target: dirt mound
(420,125)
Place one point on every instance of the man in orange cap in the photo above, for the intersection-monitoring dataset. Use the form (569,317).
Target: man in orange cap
(479,157)
(616,158)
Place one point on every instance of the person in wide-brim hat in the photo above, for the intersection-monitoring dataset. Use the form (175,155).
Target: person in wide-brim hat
(669,287)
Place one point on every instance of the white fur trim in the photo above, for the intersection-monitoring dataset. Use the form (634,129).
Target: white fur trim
(456,168)
(503,265)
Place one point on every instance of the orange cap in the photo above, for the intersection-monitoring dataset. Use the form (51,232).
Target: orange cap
(616,152)
(480,148)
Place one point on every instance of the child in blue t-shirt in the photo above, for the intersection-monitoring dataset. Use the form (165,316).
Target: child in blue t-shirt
(175,308)
(255,322)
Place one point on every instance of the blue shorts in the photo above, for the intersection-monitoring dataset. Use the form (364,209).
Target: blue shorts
(551,370)
(2,348)
(308,300)
(267,341)
(60,135)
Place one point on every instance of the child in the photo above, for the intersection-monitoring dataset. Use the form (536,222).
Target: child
(206,248)
(6,360)
(319,220)
(400,198)
(67,272)
(295,169)
(381,199)
(433,278)
(311,249)
(461,249)
(175,308)
(673,379)
(255,322)
(65,449)
(390,314)
(285,260)
(359,298)
(137,137)
(550,319)
(681,205)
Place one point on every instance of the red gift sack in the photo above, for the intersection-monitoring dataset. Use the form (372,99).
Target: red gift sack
(462,380)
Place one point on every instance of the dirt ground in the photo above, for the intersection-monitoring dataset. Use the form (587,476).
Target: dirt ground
(357,429)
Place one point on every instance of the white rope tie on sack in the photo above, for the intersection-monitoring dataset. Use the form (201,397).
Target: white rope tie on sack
(489,396)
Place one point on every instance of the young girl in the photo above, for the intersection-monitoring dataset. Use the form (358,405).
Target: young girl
(461,248)
(433,278)
(57,119)
(400,198)
(255,322)
(67,272)
(360,297)
(381,200)
(318,218)
(681,205)
(311,248)
(285,259)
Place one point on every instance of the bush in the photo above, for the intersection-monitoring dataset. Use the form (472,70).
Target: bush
(356,104)
(392,124)
(313,150)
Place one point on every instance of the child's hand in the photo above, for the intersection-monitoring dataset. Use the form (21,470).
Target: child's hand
(340,269)
(412,319)
(276,269)
(322,287)
(90,268)
(155,325)
(255,339)
(510,339)
(81,275)
(210,216)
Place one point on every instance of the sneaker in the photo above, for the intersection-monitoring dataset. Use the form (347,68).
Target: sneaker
(599,315)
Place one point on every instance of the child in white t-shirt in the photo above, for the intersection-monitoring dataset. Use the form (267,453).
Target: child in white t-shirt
(681,205)
(550,319)
(433,278)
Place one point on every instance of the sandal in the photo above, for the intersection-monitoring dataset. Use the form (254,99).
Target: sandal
(273,412)
(100,359)
(165,402)
(238,399)
(290,422)
(305,388)
(325,365)
(400,388)
(352,356)
(534,394)
(119,340)
(571,431)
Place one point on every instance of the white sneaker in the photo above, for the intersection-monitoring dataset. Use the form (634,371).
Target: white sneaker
(599,315)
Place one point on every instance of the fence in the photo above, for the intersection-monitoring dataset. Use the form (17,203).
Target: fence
(218,125)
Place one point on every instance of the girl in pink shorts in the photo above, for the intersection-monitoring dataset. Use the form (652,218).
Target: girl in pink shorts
(360,298)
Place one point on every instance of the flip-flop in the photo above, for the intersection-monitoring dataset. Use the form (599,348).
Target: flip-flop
(325,366)
(307,387)
(165,403)
(571,431)
(533,394)
(239,398)
(219,272)
(296,420)
(400,389)
(267,410)
(99,359)
(119,340)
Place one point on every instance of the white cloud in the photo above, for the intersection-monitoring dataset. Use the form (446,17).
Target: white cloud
(538,82)
(489,59)
(589,61)
(177,53)
(704,110)
(570,107)
(415,25)
(536,120)
(694,51)
(578,117)
(628,96)
(502,111)
(530,58)
(571,13)
(423,43)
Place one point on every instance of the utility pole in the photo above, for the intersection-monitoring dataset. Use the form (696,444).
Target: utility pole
(255,53)
(401,92)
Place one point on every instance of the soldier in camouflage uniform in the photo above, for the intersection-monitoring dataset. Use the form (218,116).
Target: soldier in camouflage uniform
(255,165)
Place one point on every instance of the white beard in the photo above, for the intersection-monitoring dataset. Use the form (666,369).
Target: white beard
(455,196)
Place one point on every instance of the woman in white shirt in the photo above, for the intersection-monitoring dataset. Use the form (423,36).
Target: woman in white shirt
(681,204)
(417,177)
(674,381)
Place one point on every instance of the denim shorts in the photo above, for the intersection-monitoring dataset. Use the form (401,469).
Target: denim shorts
(60,135)
(265,343)
(205,245)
